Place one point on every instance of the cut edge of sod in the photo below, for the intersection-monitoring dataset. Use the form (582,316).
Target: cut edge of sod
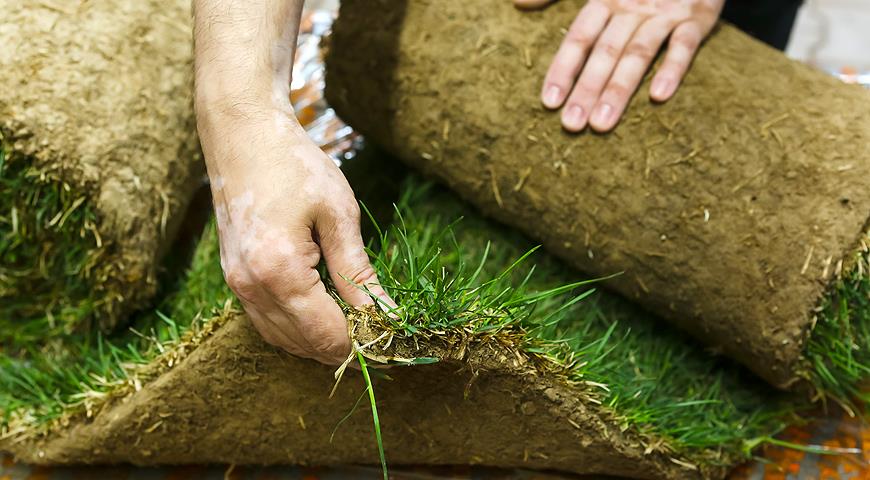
(56,269)
(692,429)
(836,359)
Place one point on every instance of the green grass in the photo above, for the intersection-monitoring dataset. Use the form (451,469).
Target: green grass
(50,255)
(373,404)
(449,275)
(838,350)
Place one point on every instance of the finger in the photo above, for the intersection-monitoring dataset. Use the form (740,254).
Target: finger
(682,46)
(532,4)
(629,72)
(348,263)
(262,326)
(315,317)
(566,65)
(312,324)
(597,72)
(273,334)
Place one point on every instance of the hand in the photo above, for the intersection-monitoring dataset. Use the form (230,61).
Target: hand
(280,203)
(610,46)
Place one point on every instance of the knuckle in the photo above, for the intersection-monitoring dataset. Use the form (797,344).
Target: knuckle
(562,70)
(580,38)
(584,93)
(240,282)
(353,212)
(339,205)
(351,206)
(618,90)
(341,217)
(363,273)
(640,50)
(609,49)
(687,39)
(281,275)
(334,348)
(328,339)
(263,268)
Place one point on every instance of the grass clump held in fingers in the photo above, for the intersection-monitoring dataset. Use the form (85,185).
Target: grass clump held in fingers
(440,287)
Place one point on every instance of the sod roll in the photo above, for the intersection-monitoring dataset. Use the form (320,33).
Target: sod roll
(98,156)
(730,210)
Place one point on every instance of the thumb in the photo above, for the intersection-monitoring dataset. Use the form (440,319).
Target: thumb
(348,263)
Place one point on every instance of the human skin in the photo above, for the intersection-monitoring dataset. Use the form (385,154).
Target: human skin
(610,46)
(282,205)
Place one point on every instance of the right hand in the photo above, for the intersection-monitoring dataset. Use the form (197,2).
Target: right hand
(280,203)
(608,49)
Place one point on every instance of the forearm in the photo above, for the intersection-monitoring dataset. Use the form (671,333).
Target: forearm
(243,58)
(244,51)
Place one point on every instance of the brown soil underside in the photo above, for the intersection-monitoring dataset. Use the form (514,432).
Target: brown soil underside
(773,151)
(237,400)
(99,93)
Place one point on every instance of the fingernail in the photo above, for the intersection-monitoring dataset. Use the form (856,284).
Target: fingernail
(662,88)
(551,97)
(601,115)
(572,119)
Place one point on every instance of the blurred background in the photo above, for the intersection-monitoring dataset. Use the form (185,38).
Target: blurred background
(834,35)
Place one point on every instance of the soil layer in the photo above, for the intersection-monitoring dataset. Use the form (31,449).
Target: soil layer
(237,400)
(729,209)
(97,96)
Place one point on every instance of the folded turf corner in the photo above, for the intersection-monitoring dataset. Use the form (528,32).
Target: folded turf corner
(98,157)
(736,210)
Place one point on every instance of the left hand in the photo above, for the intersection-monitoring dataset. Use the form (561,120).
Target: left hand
(610,46)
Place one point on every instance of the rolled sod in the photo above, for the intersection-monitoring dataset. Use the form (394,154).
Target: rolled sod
(98,158)
(736,210)
(519,381)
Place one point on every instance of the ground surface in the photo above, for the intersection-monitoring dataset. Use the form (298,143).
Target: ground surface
(779,464)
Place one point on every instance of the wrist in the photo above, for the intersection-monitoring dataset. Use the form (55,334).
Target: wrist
(227,83)
(217,97)
(235,131)
(224,107)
